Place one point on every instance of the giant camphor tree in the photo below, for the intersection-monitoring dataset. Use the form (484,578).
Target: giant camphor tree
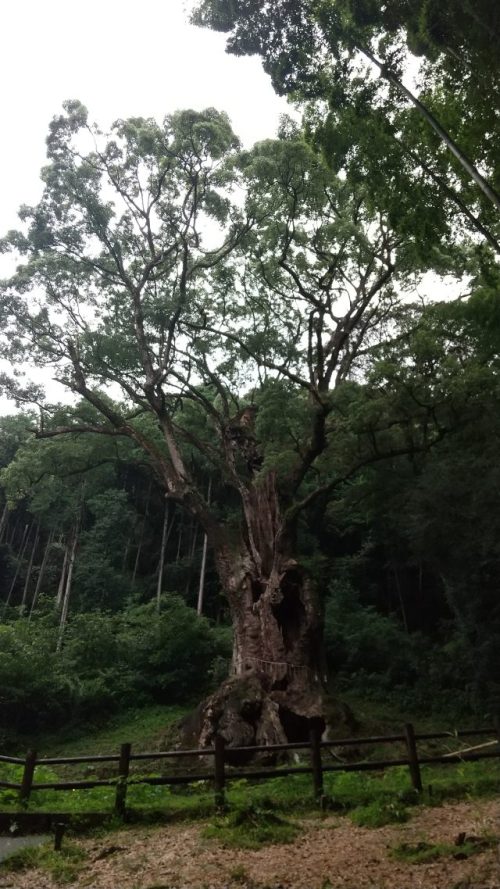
(212,302)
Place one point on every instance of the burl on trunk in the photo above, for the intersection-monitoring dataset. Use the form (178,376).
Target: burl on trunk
(275,688)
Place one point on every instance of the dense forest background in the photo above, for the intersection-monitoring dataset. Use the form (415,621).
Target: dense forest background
(101,576)
(109,592)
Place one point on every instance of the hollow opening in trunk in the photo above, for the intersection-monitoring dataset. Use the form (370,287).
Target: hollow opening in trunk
(297,728)
(256,589)
(281,684)
(290,612)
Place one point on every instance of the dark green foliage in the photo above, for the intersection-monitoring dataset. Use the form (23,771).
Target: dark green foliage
(108,662)
(99,576)
(380,426)
(360,641)
(361,117)
(405,554)
(173,654)
(36,692)
(412,610)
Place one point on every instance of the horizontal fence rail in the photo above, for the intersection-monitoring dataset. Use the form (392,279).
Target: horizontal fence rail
(222,756)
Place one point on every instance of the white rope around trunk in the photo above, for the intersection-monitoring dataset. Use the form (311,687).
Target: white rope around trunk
(269,666)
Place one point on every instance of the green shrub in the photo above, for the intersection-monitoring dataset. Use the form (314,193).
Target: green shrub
(361,641)
(250,827)
(108,661)
(171,654)
(35,690)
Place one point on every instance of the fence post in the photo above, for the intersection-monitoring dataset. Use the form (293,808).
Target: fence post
(411,746)
(317,770)
(219,772)
(59,831)
(27,779)
(123,772)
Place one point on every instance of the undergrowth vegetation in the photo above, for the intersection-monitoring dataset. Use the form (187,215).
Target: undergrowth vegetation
(63,866)
(424,852)
(250,827)
(370,799)
(108,660)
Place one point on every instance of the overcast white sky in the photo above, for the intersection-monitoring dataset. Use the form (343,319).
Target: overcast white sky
(120,58)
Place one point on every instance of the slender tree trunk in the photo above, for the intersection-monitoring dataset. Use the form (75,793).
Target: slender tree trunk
(20,556)
(162,557)
(179,540)
(125,555)
(41,573)
(454,604)
(193,535)
(4,522)
(201,588)
(203,569)
(400,595)
(141,538)
(62,579)
(26,531)
(71,565)
(451,194)
(30,569)
(129,539)
(67,589)
(12,537)
(428,116)
(194,538)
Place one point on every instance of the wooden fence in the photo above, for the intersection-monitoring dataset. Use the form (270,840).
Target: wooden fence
(222,771)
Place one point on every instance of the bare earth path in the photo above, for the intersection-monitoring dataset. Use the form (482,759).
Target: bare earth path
(330,853)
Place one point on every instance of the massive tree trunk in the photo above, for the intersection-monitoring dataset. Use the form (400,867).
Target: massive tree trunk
(275,688)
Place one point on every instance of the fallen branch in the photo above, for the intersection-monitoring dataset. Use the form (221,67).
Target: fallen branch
(470,749)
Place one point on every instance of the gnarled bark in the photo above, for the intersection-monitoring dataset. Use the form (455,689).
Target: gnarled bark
(275,687)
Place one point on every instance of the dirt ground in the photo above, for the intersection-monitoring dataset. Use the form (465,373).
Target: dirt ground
(330,854)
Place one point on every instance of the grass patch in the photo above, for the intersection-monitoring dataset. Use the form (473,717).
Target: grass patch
(250,828)
(384,794)
(145,728)
(461,781)
(374,798)
(63,866)
(422,853)
(468,780)
(378,813)
(352,790)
